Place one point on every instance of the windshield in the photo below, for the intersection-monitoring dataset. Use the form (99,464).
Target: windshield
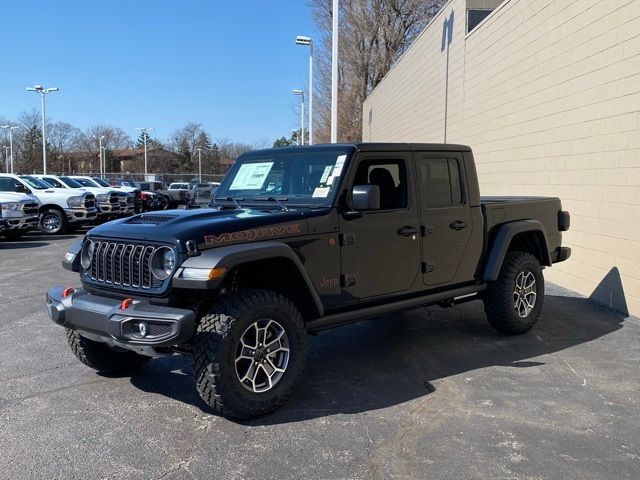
(101,182)
(178,186)
(35,183)
(70,182)
(306,178)
(85,182)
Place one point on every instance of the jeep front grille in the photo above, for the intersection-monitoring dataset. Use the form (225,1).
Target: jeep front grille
(124,264)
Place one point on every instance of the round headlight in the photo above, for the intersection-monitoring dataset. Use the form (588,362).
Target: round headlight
(87,254)
(163,263)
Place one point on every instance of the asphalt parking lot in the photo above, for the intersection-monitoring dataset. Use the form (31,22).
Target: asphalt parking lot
(431,393)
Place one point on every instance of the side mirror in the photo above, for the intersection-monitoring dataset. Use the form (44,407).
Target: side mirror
(20,188)
(366,197)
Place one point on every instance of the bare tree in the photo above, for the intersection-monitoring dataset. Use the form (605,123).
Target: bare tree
(62,139)
(373,34)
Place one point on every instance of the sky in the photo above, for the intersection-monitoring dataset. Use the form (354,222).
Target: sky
(230,65)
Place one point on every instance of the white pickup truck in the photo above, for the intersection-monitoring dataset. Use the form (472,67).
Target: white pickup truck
(133,201)
(108,200)
(60,209)
(18,214)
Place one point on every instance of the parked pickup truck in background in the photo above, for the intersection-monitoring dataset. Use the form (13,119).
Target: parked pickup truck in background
(60,209)
(129,204)
(107,199)
(298,240)
(18,214)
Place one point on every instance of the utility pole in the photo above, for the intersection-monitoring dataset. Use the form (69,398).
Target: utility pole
(301,93)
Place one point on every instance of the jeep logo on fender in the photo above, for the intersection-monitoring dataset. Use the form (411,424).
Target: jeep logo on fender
(252,234)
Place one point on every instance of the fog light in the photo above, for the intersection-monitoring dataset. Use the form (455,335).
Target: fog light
(142,328)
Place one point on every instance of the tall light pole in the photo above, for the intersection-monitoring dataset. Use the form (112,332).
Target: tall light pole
(6,157)
(300,40)
(103,153)
(199,165)
(100,138)
(334,73)
(11,128)
(43,91)
(301,93)
(145,135)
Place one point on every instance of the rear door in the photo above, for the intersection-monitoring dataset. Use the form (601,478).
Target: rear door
(446,221)
(380,251)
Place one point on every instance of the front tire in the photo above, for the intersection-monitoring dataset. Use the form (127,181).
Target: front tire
(513,302)
(53,222)
(100,357)
(250,351)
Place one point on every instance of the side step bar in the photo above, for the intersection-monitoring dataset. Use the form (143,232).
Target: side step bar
(352,316)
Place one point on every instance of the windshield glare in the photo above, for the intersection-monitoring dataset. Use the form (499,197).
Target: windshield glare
(70,182)
(101,182)
(35,183)
(177,186)
(308,178)
(84,182)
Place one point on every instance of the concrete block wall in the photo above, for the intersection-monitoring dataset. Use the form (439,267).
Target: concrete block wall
(547,93)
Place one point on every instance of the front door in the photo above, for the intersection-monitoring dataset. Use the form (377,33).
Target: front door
(380,252)
(445,215)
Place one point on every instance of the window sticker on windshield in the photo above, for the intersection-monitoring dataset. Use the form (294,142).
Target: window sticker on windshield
(321,192)
(251,176)
(325,174)
(337,168)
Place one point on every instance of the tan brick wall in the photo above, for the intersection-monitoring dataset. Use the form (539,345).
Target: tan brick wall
(547,93)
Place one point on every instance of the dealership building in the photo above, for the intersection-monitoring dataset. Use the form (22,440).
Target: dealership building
(547,93)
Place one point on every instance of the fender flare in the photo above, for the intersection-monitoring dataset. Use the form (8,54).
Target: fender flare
(231,256)
(500,245)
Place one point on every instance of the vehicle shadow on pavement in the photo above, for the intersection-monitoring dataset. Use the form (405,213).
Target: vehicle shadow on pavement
(17,245)
(386,362)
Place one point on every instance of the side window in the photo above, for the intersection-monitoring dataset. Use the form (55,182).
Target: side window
(440,182)
(7,184)
(390,176)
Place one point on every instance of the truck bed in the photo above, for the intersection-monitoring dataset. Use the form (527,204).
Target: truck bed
(502,209)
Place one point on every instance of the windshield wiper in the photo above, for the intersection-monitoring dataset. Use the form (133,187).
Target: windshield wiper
(274,200)
(236,201)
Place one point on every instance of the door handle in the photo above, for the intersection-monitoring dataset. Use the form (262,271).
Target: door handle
(458,225)
(407,231)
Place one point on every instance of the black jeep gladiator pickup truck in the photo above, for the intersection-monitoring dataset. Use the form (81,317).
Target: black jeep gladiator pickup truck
(297,240)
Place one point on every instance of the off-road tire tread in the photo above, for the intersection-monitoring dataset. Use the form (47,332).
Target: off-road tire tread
(498,302)
(100,357)
(208,372)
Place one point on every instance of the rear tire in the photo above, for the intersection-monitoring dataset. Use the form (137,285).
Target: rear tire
(513,302)
(53,222)
(250,351)
(101,357)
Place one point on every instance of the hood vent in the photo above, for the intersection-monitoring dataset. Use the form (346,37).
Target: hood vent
(150,219)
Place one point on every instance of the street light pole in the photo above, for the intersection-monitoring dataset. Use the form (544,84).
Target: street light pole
(6,157)
(334,73)
(145,135)
(43,91)
(301,93)
(100,138)
(300,40)
(200,165)
(11,128)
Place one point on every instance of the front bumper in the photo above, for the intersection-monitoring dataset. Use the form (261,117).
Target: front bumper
(21,223)
(102,319)
(81,214)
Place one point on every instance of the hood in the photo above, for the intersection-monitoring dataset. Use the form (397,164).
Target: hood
(209,227)
(63,192)
(16,197)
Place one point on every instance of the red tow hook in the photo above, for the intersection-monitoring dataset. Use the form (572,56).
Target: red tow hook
(67,291)
(126,303)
